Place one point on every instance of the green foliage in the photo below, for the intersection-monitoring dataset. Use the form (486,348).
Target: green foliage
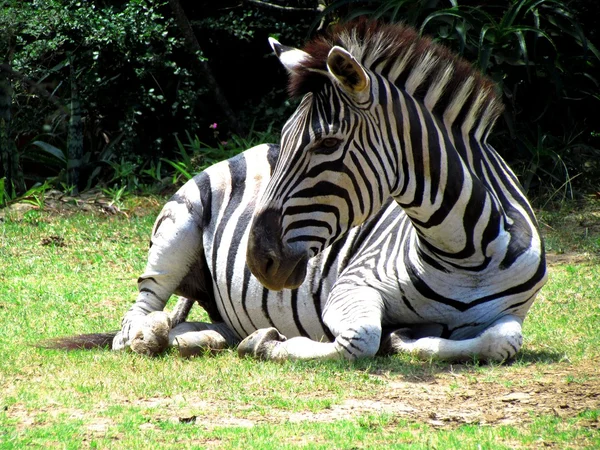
(236,37)
(124,63)
(184,167)
(196,156)
(34,196)
(250,22)
(5,194)
(136,84)
(138,89)
(117,196)
(525,42)
(134,175)
(412,12)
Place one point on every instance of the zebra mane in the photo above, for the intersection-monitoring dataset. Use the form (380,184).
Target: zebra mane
(429,72)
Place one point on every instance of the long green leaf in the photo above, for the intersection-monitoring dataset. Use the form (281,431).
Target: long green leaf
(593,49)
(453,13)
(523,47)
(179,167)
(513,12)
(51,150)
(484,50)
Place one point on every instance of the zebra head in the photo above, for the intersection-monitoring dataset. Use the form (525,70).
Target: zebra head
(324,180)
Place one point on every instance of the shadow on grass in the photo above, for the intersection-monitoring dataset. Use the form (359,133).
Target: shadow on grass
(527,356)
(415,370)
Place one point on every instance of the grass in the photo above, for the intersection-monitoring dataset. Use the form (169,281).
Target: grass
(64,274)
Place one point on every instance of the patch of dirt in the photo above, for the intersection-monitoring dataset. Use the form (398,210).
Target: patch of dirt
(53,240)
(447,400)
(507,396)
(571,232)
(94,201)
(59,203)
(556,259)
(455,399)
(459,399)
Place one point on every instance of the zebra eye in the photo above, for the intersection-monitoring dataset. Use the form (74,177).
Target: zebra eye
(327,146)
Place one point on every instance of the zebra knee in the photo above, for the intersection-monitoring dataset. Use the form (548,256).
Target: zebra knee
(362,342)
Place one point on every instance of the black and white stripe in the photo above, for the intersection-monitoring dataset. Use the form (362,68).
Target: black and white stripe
(387,113)
(198,251)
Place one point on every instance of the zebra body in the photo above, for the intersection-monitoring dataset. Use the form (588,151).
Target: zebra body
(387,113)
(198,251)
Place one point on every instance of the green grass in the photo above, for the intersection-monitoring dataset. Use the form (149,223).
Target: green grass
(75,273)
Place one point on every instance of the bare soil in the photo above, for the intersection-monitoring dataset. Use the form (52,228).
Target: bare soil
(459,398)
(446,400)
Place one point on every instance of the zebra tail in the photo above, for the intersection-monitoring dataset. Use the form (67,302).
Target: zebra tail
(80,342)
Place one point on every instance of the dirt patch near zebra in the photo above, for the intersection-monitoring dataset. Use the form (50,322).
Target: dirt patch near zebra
(446,400)
(460,397)
(58,204)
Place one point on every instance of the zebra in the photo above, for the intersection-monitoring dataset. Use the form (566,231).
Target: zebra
(198,251)
(388,113)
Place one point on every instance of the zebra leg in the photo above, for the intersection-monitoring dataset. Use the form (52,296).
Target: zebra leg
(197,338)
(499,342)
(152,337)
(181,310)
(353,316)
(268,344)
(176,248)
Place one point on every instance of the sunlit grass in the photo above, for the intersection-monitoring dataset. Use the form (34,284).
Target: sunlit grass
(75,274)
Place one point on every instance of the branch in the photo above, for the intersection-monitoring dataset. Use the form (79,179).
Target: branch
(281,8)
(194,47)
(34,86)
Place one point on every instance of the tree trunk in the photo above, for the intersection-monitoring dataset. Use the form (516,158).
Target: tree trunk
(202,66)
(10,169)
(75,139)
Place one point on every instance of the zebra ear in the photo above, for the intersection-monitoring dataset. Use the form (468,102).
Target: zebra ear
(291,58)
(348,72)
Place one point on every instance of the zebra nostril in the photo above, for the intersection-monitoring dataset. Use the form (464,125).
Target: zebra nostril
(269,263)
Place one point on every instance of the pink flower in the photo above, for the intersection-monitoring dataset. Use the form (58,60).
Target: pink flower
(213,126)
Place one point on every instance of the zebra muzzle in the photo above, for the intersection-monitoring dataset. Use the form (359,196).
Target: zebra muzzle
(273,264)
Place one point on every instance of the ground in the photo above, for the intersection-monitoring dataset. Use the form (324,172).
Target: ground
(541,383)
(445,400)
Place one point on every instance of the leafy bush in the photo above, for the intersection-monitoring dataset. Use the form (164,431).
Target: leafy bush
(126,64)
(123,60)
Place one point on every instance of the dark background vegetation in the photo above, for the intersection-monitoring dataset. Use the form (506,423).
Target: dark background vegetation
(122,93)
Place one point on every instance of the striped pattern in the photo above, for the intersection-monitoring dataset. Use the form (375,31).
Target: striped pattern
(464,260)
(198,251)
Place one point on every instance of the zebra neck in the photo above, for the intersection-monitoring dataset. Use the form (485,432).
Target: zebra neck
(447,186)
(464,227)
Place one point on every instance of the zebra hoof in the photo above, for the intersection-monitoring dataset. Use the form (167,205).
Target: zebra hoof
(196,343)
(152,338)
(396,342)
(261,343)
